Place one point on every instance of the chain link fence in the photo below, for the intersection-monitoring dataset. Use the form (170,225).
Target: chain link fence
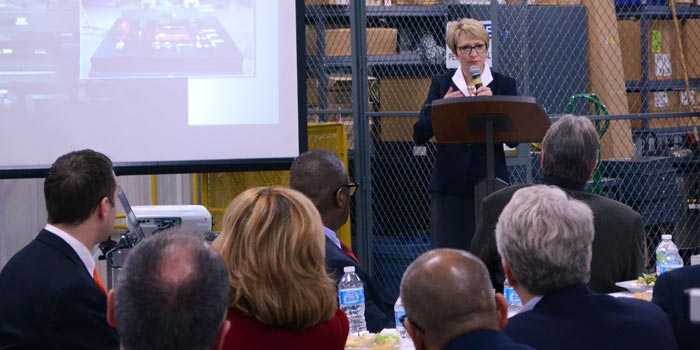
(639,57)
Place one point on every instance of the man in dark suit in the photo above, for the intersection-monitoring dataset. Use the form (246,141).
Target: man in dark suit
(668,293)
(459,167)
(569,156)
(322,177)
(544,238)
(450,304)
(48,297)
(172,293)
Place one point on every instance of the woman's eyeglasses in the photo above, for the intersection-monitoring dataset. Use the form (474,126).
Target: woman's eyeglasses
(467,50)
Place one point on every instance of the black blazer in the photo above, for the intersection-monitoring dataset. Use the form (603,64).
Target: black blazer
(579,319)
(459,167)
(617,247)
(379,312)
(48,300)
(668,293)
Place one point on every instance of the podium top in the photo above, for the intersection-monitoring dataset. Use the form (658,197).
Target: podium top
(463,120)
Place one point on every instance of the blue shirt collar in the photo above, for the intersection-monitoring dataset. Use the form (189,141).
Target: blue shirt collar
(331,235)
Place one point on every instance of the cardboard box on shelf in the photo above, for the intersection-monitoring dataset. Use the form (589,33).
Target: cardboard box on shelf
(664,60)
(311,38)
(311,92)
(342,2)
(664,51)
(658,102)
(545,2)
(413,2)
(339,96)
(631,48)
(380,41)
(691,47)
(399,95)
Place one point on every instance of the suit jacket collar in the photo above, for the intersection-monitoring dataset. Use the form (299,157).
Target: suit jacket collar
(550,180)
(481,339)
(564,296)
(59,244)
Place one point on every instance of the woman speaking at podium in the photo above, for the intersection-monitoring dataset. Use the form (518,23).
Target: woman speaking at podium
(459,167)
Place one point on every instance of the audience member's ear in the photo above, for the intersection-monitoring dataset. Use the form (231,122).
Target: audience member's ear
(111,318)
(509,274)
(542,159)
(221,335)
(418,342)
(502,310)
(340,199)
(590,174)
(103,208)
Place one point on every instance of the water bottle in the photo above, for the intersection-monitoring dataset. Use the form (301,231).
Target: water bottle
(352,300)
(405,341)
(667,257)
(513,299)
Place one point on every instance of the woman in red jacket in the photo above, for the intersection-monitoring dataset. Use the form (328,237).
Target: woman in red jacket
(281,296)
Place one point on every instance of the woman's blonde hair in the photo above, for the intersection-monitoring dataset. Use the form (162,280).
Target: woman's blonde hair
(273,244)
(470,28)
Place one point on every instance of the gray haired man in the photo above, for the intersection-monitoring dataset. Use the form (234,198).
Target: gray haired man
(172,293)
(569,157)
(544,238)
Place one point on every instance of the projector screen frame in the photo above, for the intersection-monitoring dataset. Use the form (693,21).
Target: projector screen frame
(218,165)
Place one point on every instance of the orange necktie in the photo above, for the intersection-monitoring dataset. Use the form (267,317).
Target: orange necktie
(98,281)
(349,252)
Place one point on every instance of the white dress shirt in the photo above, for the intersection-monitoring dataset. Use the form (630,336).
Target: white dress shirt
(83,252)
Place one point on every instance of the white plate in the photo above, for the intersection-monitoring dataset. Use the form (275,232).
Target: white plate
(634,286)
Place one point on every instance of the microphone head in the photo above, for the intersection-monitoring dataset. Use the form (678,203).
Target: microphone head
(474,71)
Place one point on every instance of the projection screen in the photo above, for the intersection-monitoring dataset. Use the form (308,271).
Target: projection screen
(159,86)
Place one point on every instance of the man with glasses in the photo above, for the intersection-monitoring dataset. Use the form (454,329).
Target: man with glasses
(322,177)
(450,304)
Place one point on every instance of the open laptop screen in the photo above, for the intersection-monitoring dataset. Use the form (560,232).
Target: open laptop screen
(131,222)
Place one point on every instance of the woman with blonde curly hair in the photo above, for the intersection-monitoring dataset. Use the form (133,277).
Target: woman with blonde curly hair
(281,296)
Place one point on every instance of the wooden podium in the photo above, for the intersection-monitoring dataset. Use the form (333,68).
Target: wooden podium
(488,120)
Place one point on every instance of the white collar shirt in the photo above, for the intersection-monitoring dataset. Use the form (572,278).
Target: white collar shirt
(83,252)
(331,235)
(458,79)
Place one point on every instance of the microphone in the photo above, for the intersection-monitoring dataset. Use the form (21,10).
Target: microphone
(475,72)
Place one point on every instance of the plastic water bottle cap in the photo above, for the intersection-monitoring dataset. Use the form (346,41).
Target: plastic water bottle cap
(669,237)
(349,269)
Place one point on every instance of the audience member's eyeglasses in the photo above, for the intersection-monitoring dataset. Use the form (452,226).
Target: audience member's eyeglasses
(415,325)
(467,50)
(351,186)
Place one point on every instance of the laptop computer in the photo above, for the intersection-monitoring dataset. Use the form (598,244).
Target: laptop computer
(131,222)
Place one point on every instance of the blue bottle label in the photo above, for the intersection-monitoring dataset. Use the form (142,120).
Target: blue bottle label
(667,268)
(397,317)
(351,297)
(511,296)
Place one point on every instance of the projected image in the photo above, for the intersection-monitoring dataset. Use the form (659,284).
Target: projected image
(166,38)
(38,52)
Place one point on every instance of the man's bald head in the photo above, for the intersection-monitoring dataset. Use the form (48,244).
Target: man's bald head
(448,292)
